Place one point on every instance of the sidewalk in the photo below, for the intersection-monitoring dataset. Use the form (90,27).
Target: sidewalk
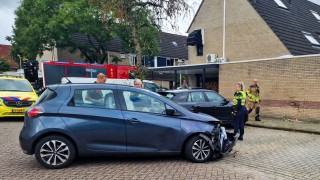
(298,126)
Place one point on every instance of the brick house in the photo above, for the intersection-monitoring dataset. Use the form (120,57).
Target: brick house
(5,53)
(275,41)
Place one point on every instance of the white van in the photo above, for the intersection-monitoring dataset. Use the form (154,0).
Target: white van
(150,85)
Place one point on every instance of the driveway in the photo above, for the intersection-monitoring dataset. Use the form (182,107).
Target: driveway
(264,154)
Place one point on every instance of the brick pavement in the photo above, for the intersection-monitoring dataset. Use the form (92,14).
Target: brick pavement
(264,154)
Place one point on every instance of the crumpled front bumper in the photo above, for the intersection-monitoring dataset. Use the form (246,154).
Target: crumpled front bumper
(221,141)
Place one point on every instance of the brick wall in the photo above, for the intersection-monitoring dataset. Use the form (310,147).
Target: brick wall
(290,88)
(247,34)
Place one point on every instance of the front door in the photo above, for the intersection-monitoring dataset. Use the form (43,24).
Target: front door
(221,109)
(148,128)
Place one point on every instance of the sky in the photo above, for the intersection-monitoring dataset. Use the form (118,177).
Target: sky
(7,16)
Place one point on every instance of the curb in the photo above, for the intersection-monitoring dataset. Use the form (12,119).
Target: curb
(285,129)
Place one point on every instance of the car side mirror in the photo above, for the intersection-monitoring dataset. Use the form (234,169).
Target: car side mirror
(171,112)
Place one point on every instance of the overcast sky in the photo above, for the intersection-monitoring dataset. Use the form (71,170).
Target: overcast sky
(7,16)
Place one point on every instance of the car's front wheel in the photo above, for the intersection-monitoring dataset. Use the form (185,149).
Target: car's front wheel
(55,152)
(198,150)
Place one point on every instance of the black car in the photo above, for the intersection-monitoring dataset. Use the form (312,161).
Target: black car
(204,101)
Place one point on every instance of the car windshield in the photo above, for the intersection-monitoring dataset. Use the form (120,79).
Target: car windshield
(15,85)
(167,94)
(151,86)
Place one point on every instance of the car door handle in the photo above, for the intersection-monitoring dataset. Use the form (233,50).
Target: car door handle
(134,120)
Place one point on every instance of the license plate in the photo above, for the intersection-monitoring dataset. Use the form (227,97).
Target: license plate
(18,110)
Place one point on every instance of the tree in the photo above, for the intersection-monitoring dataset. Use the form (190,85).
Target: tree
(140,20)
(4,65)
(116,60)
(43,24)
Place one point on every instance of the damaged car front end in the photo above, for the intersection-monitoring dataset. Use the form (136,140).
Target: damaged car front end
(212,140)
(221,142)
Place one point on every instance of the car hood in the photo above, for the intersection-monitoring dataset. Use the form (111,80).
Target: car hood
(204,117)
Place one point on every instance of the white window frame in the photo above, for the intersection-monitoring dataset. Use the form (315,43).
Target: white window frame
(281,4)
(311,39)
(315,14)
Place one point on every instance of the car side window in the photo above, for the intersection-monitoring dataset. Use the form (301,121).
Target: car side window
(180,97)
(214,97)
(100,98)
(142,103)
(196,97)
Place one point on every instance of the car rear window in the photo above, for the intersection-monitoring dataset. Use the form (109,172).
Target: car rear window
(47,95)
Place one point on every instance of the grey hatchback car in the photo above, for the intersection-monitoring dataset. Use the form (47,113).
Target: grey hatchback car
(73,120)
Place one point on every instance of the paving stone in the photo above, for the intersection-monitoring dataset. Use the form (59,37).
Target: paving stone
(264,154)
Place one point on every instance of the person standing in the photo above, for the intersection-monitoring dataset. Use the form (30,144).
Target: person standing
(95,96)
(239,109)
(253,93)
(185,84)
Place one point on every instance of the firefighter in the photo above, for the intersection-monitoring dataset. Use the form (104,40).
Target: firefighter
(253,103)
(239,109)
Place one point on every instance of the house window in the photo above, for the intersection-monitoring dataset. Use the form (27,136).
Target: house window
(315,15)
(132,59)
(311,38)
(161,62)
(280,4)
(170,62)
(199,50)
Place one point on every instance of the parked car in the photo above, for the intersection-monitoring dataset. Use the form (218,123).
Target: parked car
(150,85)
(204,101)
(16,95)
(64,124)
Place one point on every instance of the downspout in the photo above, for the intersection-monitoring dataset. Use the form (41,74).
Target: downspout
(224,30)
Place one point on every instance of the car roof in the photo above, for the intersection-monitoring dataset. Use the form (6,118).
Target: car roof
(188,90)
(89,85)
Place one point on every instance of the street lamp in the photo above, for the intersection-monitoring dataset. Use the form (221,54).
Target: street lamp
(180,63)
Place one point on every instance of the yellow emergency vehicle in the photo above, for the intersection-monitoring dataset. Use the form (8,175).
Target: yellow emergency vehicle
(16,96)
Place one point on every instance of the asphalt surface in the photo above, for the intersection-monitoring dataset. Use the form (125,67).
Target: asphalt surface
(264,154)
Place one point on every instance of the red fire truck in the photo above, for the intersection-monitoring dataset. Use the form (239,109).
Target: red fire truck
(53,71)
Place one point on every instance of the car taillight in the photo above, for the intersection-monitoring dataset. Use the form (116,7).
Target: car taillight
(35,111)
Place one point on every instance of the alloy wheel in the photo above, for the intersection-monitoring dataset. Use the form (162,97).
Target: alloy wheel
(200,149)
(54,152)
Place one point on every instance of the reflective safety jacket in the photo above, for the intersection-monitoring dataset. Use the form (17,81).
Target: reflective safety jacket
(239,99)
(253,93)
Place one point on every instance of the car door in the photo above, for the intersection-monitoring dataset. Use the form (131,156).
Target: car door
(148,128)
(196,102)
(97,126)
(221,108)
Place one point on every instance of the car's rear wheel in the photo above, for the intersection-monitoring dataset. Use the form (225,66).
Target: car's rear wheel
(198,150)
(55,152)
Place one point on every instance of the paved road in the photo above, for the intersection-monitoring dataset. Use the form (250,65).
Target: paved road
(264,154)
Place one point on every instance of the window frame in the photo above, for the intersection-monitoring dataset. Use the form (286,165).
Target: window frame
(281,4)
(316,15)
(72,103)
(311,38)
(124,105)
(207,97)
(189,95)
(199,50)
